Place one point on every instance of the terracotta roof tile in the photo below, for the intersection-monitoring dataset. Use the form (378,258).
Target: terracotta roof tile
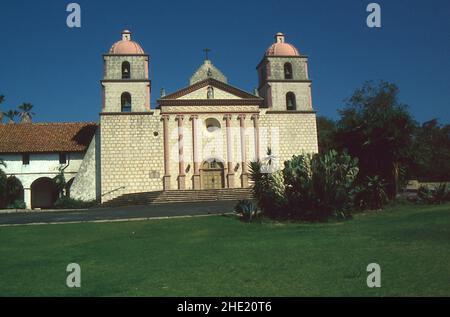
(46,137)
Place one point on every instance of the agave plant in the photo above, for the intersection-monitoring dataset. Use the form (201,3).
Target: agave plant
(268,189)
(247,209)
(372,193)
(440,194)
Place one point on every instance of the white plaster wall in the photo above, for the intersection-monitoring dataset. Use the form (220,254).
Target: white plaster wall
(41,165)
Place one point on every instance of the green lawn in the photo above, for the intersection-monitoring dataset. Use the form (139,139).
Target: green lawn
(221,256)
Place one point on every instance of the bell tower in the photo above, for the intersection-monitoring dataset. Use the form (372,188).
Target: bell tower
(283,78)
(126,86)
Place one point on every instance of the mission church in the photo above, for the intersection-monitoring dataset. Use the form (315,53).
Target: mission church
(200,137)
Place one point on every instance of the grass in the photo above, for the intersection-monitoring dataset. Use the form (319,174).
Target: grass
(221,256)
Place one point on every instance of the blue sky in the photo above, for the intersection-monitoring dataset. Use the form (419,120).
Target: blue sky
(59,69)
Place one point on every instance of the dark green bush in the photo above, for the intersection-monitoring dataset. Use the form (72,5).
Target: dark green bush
(268,189)
(308,188)
(246,209)
(71,203)
(17,204)
(436,195)
(14,190)
(440,194)
(371,194)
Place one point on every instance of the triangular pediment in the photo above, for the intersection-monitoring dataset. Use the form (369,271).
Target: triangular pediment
(220,91)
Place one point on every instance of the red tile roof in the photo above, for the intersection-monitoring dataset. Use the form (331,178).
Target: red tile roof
(46,137)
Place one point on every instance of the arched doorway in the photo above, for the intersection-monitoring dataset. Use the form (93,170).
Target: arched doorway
(14,190)
(43,193)
(212,175)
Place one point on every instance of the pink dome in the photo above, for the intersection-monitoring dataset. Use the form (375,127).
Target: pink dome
(281,48)
(126,45)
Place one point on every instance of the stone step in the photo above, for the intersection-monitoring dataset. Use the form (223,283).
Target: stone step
(163,197)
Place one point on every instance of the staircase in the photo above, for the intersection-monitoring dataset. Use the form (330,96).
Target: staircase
(179,196)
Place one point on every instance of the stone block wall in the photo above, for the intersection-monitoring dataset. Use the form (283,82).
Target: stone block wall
(289,134)
(302,93)
(139,91)
(113,67)
(132,157)
(87,183)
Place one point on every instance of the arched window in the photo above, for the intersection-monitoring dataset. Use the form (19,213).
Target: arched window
(287,71)
(126,73)
(290,101)
(125,101)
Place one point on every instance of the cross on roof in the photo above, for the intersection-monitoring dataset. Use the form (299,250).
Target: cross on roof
(206,50)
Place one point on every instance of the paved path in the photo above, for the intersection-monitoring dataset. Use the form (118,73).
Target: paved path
(118,213)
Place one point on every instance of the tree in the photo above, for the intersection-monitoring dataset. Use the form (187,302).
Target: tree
(377,129)
(25,112)
(326,130)
(3,179)
(432,152)
(11,115)
(2,99)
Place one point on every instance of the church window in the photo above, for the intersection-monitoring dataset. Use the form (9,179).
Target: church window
(125,101)
(287,71)
(290,101)
(212,125)
(126,73)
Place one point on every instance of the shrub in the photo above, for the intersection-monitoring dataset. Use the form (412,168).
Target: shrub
(333,177)
(440,194)
(71,203)
(17,204)
(268,189)
(371,194)
(3,179)
(436,195)
(14,190)
(246,209)
(424,195)
(308,188)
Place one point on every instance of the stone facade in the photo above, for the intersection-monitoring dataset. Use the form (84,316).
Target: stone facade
(131,154)
(200,136)
(86,185)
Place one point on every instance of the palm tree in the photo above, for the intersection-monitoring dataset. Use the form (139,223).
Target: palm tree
(25,113)
(11,114)
(2,99)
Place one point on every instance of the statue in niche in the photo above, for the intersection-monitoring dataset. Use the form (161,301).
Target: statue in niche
(210,93)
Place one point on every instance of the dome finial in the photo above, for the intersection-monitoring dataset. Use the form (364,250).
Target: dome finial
(279,37)
(281,48)
(126,35)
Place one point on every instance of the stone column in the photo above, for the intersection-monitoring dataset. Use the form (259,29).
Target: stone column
(255,119)
(244,176)
(27,197)
(230,173)
(195,141)
(166,178)
(181,172)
